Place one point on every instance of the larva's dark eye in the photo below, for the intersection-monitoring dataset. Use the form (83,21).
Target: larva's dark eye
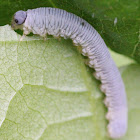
(20,17)
(16,21)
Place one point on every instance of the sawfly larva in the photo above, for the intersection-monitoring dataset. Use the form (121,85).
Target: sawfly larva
(58,22)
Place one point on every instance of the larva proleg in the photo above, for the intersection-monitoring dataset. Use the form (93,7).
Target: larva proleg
(57,22)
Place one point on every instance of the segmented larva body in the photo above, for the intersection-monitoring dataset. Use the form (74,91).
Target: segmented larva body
(57,22)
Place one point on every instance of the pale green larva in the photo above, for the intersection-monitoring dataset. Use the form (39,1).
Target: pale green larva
(57,22)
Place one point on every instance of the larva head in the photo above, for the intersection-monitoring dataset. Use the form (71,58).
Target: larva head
(18,19)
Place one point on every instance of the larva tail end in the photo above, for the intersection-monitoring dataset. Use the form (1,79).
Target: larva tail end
(117,129)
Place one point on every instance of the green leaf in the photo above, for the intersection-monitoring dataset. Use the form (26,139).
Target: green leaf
(117,21)
(46,91)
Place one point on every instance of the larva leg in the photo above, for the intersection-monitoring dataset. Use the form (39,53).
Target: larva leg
(75,44)
(80,50)
(22,37)
(86,61)
(57,37)
(104,88)
(25,32)
(45,37)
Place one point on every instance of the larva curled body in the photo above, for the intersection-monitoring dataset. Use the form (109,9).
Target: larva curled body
(57,22)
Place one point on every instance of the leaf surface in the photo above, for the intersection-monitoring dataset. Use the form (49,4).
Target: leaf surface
(46,91)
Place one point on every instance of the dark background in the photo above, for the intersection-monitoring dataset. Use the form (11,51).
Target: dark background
(122,37)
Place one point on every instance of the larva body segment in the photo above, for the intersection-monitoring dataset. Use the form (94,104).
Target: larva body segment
(58,22)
